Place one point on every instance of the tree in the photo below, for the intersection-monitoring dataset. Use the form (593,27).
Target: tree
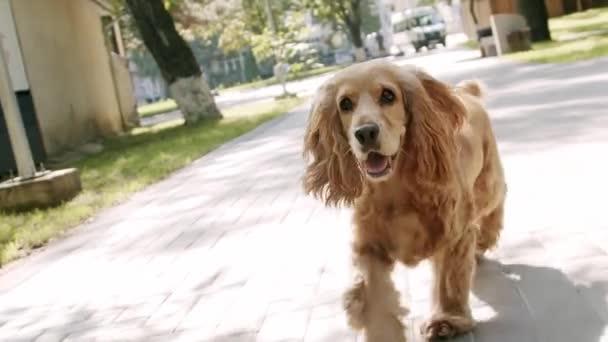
(537,17)
(273,29)
(280,44)
(234,27)
(472,11)
(175,60)
(346,13)
(248,25)
(370,18)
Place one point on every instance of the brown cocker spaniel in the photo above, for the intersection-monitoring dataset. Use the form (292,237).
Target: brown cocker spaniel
(418,161)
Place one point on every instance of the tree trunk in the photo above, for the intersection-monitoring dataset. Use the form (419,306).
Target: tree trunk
(355,36)
(175,59)
(472,11)
(352,21)
(536,15)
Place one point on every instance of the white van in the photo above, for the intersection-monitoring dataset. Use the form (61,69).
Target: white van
(420,27)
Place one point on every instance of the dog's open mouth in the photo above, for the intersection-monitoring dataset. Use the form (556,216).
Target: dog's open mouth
(377,165)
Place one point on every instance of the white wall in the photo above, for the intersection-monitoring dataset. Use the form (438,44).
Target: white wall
(69,71)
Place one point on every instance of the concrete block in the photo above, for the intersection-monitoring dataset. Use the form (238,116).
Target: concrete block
(48,190)
(510,33)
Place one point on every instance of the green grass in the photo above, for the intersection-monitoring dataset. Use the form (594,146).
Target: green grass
(590,20)
(292,77)
(169,105)
(128,164)
(471,44)
(155,108)
(578,36)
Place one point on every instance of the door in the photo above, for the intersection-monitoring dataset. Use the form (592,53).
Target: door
(12,52)
(28,114)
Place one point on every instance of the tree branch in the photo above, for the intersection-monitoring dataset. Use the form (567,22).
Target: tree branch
(342,12)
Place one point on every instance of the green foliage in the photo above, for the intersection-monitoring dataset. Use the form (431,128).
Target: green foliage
(129,32)
(370,21)
(249,25)
(348,15)
(342,12)
(230,26)
(254,15)
(281,45)
(193,18)
(317,69)
(235,35)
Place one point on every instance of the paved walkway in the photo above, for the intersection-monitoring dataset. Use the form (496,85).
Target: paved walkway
(229,249)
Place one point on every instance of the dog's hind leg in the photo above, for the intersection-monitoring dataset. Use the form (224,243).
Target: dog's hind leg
(490,228)
(372,304)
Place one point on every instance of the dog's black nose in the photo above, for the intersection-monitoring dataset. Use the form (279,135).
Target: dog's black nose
(367,135)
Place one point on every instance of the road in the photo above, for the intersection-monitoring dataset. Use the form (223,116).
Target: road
(307,86)
(230,249)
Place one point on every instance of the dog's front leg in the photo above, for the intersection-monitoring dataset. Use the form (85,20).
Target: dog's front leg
(453,269)
(372,304)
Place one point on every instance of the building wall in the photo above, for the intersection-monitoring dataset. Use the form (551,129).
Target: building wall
(14,59)
(554,7)
(503,6)
(482,12)
(485,8)
(69,69)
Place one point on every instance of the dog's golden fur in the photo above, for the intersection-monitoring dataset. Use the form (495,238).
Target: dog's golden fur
(441,200)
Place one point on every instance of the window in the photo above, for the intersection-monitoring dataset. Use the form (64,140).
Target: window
(109,33)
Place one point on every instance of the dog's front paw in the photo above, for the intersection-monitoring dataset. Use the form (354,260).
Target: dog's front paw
(443,326)
(354,305)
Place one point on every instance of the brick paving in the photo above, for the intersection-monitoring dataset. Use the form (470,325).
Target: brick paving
(229,249)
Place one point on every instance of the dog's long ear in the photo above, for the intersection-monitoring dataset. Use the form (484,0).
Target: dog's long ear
(434,115)
(332,173)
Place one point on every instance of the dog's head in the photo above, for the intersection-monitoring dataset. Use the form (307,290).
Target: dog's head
(374,120)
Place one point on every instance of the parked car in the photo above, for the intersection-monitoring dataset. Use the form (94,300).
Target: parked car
(420,27)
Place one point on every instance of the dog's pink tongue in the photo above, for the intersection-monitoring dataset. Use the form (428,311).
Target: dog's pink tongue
(376,163)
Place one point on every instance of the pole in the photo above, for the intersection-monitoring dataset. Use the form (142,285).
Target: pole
(385,25)
(271,22)
(14,123)
(242,62)
(273,27)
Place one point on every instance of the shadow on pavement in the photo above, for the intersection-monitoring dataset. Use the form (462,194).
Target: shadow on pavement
(538,107)
(538,303)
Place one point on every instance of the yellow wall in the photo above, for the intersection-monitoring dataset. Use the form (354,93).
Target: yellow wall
(69,70)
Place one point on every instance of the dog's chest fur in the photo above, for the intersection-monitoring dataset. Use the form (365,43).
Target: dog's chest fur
(394,223)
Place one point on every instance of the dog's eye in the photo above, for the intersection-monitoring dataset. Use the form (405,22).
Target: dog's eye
(346,105)
(387,96)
